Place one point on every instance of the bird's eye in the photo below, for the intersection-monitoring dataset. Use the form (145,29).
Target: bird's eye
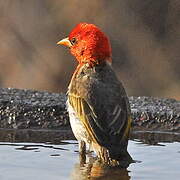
(73,41)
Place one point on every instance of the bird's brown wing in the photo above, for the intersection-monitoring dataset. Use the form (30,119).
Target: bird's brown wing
(104,114)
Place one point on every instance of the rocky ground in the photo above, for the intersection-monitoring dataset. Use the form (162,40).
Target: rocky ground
(29,109)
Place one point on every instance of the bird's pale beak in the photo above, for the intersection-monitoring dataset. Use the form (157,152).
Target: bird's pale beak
(65,42)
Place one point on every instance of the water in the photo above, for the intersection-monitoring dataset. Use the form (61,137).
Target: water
(60,161)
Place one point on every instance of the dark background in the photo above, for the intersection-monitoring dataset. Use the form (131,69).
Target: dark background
(145,37)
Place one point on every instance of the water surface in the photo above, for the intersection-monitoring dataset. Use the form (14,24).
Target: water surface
(60,161)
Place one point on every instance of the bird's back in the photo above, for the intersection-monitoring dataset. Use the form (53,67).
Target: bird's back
(101,104)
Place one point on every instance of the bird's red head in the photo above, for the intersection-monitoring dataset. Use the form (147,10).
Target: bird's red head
(88,44)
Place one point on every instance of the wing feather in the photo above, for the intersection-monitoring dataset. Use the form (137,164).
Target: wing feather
(101,104)
(96,124)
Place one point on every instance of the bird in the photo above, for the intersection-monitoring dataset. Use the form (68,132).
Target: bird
(97,103)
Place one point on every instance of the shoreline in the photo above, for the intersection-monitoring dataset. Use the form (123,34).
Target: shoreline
(30,109)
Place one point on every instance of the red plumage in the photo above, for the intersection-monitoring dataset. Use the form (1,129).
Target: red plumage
(93,45)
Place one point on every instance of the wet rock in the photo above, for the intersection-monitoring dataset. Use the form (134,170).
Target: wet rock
(30,109)
(21,109)
(151,113)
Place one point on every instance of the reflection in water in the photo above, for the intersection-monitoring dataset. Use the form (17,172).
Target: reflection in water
(96,171)
(55,136)
(154,137)
(35,135)
(44,161)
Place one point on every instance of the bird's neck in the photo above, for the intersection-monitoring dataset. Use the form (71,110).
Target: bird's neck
(90,65)
(92,61)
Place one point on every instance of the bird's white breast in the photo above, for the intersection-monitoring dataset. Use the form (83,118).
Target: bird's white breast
(76,125)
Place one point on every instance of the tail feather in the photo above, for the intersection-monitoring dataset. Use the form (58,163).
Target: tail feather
(122,157)
(114,156)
